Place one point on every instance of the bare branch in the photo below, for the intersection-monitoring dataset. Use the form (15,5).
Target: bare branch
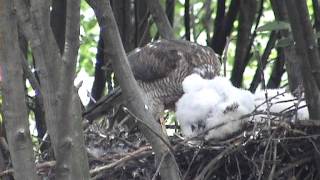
(136,101)
(14,107)
(160,18)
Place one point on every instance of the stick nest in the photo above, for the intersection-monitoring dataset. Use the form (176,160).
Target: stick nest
(274,149)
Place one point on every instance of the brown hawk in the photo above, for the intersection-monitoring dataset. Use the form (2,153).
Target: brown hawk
(159,68)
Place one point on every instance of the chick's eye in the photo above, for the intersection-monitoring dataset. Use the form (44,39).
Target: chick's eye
(193,127)
(201,125)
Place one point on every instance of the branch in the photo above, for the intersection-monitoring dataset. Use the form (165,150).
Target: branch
(308,53)
(160,18)
(245,39)
(187,19)
(128,157)
(72,161)
(14,105)
(136,101)
(263,61)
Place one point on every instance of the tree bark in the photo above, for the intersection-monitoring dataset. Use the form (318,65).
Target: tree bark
(71,149)
(308,53)
(136,101)
(290,57)
(14,107)
(221,33)
(123,12)
(262,63)
(170,5)
(277,71)
(142,23)
(56,75)
(161,20)
(99,74)
(58,22)
(246,19)
(187,19)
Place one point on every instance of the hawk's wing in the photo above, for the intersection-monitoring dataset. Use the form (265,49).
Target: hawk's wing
(154,61)
(158,59)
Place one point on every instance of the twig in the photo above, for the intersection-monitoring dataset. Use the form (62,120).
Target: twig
(159,165)
(214,161)
(47,164)
(225,56)
(292,165)
(146,149)
(274,165)
(153,131)
(264,157)
(189,166)
(238,167)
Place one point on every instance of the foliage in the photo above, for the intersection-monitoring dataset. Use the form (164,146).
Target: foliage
(88,40)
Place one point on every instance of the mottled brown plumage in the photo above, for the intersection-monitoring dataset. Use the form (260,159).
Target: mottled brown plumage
(161,66)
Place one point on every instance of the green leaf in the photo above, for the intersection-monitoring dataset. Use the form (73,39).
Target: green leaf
(317,35)
(274,26)
(285,42)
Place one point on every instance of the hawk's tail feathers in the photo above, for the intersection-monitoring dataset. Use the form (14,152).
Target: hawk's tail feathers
(104,105)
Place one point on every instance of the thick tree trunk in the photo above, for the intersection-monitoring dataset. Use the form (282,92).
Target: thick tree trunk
(308,53)
(14,107)
(72,162)
(290,58)
(56,73)
(246,19)
(136,101)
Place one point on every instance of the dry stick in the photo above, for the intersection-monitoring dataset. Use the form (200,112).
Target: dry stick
(122,160)
(159,165)
(225,56)
(47,164)
(264,156)
(238,166)
(314,145)
(274,165)
(264,85)
(214,161)
(153,131)
(189,166)
(292,165)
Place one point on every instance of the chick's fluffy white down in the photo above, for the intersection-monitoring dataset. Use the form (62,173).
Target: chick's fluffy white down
(214,108)
(213,105)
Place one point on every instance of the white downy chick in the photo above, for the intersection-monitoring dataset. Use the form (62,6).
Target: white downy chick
(279,101)
(193,109)
(193,83)
(215,103)
(235,104)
